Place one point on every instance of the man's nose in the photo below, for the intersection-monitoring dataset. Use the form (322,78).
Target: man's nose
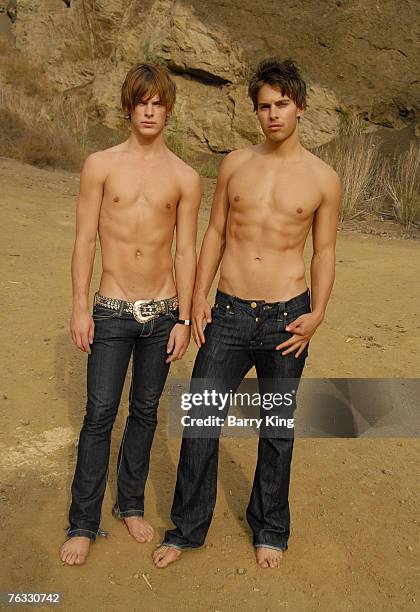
(149,110)
(273,111)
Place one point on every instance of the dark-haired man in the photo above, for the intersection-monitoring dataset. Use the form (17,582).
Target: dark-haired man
(267,198)
(140,310)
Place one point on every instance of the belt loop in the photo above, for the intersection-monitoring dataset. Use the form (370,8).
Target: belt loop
(121,308)
(232,303)
(280,311)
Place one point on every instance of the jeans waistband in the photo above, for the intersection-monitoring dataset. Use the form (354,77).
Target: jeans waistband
(288,305)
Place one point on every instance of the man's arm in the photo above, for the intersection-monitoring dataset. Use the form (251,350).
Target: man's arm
(212,248)
(185,261)
(324,234)
(88,208)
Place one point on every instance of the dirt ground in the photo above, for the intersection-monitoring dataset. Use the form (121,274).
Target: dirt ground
(354,502)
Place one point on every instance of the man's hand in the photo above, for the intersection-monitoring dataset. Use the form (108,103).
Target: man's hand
(303,328)
(82,328)
(201,313)
(178,342)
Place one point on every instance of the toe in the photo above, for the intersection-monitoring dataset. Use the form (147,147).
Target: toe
(67,556)
(70,559)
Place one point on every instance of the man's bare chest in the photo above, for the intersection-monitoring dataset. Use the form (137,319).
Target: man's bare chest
(141,190)
(270,193)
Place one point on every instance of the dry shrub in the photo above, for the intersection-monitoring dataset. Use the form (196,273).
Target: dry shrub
(402,182)
(38,125)
(42,134)
(354,157)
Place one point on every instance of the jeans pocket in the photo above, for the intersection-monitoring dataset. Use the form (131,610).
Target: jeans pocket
(223,309)
(101,314)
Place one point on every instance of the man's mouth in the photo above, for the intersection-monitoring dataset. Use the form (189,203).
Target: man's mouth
(274,126)
(148,123)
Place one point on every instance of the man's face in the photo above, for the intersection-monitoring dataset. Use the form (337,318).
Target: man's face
(149,117)
(277,114)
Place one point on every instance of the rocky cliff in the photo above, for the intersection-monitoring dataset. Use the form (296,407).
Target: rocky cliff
(357,54)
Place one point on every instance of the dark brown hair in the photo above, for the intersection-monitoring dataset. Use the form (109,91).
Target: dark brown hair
(145,81)
(279,73)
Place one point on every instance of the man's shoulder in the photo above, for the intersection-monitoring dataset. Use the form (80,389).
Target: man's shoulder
(102,158)
(324,171)
(240,155)
(235,159)
(184,171)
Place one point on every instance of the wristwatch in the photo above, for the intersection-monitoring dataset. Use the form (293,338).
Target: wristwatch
(184,321)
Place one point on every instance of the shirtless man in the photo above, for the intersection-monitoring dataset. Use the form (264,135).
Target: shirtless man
(267,198)
(140,310)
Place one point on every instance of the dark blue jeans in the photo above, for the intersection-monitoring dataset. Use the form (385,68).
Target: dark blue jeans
(118,336)
(242,334)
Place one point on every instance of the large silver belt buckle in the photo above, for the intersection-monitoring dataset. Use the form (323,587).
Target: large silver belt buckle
(138,310)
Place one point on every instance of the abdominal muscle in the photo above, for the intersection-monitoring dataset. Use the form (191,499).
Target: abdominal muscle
(255,272)
(132,272)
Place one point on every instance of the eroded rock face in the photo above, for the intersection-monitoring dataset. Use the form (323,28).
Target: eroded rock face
(188,46)
(321,120)
(88,47)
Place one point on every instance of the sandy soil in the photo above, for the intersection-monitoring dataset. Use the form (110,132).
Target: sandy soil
(354,503)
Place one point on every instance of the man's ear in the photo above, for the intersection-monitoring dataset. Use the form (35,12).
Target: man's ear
(300,112)
(168,116)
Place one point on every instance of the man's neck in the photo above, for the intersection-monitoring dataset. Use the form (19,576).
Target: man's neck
(286,150)
(146,147)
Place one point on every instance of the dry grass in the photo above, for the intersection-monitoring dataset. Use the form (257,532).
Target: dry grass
(355,159)
(42,134)
(38,125)
(402,181)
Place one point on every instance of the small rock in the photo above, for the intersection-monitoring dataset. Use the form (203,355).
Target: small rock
(241,571)
(410,548)
(5,397)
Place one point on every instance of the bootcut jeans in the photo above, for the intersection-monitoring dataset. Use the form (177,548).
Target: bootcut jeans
(242,334)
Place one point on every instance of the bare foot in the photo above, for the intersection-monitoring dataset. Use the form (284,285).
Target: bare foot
(139,528)
(75,550)
(165,555)
(268,557)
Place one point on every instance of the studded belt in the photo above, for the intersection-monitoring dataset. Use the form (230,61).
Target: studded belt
(142,310)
